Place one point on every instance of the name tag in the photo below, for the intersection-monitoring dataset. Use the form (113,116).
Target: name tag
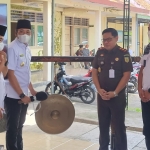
(111,73)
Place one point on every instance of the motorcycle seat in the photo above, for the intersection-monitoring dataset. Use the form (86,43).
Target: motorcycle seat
(79,79)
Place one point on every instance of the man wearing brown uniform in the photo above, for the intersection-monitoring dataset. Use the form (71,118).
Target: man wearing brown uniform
(112,67)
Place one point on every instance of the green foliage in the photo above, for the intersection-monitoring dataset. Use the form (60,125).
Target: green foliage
(37,65)
(58,34)
(135,109)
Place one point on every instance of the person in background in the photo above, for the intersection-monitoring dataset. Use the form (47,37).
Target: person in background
(3,69)
(79,51)
(144,92)
(86,53)
(18,83)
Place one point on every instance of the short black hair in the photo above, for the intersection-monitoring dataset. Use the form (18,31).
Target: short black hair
(113,31)
(80,46)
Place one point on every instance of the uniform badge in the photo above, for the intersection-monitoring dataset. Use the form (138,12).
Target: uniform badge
(99,69)
(102,55)
(117,59)
(22,64)
(21,55)
(126,59)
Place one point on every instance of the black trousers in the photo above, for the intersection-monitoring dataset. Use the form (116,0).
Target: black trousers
(112,111)
(146,122)
(16,114)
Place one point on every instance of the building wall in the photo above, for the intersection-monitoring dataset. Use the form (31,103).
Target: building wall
(84,14)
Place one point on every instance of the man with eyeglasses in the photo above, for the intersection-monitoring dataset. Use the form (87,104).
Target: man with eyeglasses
(112,67)
(17,85)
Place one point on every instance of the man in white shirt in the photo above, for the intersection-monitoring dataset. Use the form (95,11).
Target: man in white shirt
(86,53)
(18,84)
(3,69)
(144,93)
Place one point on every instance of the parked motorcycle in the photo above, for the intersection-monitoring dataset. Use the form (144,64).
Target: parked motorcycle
(132,84)
(73,86)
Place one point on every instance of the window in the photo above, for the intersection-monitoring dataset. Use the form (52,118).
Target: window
(32,41)
(39,35)
(80,35)
(77,36)
(84,34)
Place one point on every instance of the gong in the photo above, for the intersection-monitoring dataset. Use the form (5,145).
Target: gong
(55,115)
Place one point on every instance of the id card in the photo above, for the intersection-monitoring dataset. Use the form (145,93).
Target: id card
(111,73)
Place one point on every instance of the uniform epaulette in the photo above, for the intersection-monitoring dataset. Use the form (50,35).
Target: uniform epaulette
(122,49)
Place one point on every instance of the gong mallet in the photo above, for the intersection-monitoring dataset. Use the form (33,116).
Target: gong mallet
(40,96)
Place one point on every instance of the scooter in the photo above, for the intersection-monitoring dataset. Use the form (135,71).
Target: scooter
(72,86)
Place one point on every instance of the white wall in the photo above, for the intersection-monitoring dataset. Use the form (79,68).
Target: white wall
(145,35)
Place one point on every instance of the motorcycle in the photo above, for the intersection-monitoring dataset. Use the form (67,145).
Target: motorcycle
(72,86)
(132,84)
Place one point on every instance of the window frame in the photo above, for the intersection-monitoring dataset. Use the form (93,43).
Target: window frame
(81,40)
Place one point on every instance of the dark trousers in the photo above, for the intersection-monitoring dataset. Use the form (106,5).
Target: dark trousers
(86,65)
(146,122)
(112,111)
(16,114)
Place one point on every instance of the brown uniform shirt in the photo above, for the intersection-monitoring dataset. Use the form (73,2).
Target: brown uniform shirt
(118,59)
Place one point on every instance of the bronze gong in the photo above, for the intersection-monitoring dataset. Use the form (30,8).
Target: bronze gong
(56,114)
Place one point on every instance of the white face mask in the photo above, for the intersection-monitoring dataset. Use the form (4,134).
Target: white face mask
(24,38)
(1,46)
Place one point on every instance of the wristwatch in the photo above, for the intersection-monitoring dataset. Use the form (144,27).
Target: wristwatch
(149,90)
(22,95)
(115,94)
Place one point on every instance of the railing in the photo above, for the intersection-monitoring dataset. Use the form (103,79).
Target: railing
(69,59)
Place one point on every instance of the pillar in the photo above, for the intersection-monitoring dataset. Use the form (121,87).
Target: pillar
(98,29)
(134,45)
(47,38)
(63,34)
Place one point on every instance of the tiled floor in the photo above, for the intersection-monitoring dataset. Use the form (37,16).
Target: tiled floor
(79,136)
(34,139)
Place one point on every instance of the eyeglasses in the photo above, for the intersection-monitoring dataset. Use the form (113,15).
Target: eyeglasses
(107,40)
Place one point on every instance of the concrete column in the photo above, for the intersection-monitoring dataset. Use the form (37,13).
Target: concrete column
(98,29)
(104,22)
(63,34)
(134,45)
(47,38)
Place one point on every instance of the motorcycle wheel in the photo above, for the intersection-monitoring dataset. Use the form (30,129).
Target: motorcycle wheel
(56,87)
(134,89)
(87,95)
